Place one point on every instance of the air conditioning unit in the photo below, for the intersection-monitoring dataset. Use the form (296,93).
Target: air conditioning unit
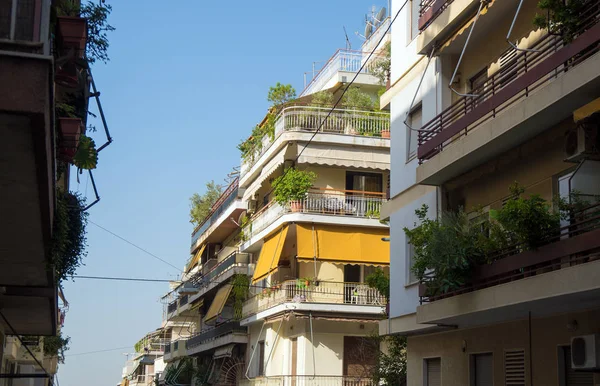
(585,352)
(252,205)
(583,142)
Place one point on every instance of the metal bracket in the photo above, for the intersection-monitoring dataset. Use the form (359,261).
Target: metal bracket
(513,45)
(481,4)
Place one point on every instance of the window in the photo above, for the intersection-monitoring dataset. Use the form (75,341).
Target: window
(415,7)
(566,375)
(514,368)
(415,121)
(365,182)
(432,373)
(411,278)
(478,85)
(261,358)
(17,19)
(482,370)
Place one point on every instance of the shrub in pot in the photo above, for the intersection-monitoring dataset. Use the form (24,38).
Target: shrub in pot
(291,187)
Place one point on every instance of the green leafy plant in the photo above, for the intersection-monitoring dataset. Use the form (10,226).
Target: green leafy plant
(323,98)
(381,66)
(245,228)
(305,282)
(562,17)
(357,99)
(56,346)
(380,281)
(65,110)
(391,361)
(281,93)
(526,220)
(240,291)
(86,156)
(292,185)
(201,205)
(68,236)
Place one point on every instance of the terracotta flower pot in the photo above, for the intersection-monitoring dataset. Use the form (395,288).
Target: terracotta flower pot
(385,134)
(70,130)
(296,206)
(72,33)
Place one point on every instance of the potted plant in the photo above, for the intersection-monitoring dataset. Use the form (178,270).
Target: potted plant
(71,33)
(291,188)
(70,131)
(385,133)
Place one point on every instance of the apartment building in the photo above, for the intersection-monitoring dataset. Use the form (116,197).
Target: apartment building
(146,364)
(481,97)
(310,309)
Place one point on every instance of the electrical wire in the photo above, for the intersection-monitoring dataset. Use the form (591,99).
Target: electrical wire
(122,279)
(134,245)
(97,351)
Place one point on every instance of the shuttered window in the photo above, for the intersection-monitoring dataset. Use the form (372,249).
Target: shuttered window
(482,370)
(433,372)
(514,368)
(572,377)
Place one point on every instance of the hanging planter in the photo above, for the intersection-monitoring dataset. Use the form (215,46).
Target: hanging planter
(70,131)
(71,35)
(86,156)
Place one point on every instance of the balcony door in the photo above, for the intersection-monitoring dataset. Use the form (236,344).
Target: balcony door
(358,182)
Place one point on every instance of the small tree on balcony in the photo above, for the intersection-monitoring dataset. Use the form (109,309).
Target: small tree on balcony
(292,185)
(201,205)
(281,93)
(55,346)
(562,17)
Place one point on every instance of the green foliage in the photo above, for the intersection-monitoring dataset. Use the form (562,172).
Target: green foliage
(391,362)
(562,17)
(201,205)
(68,236)
(323,98)
(56,346)
(305,282)
(240,291)
(380,281)
(526,220)
(86,156)
(281,93)
(246,228)
(292,185)
(354,98)
(65,110)
(381,67)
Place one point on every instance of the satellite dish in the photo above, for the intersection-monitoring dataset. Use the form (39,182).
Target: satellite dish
(381,15)
(368,29)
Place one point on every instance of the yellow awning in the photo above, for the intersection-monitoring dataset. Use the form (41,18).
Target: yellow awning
(269,255)
(197,304)
(218,303)
(587,110)
(196,259)
(343,244)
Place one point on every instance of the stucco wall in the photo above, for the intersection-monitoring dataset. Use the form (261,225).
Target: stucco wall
(547,335)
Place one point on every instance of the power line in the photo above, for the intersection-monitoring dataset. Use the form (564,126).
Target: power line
(123,279)
(97,351)
(134,245)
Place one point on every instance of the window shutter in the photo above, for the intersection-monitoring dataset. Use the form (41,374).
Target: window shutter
(514,368)
(576,378)
(434,372)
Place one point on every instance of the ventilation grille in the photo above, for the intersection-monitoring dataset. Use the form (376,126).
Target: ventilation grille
(514,368)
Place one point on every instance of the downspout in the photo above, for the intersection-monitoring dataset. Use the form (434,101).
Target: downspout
(312,339)
(254,350)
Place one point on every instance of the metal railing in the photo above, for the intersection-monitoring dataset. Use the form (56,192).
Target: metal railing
(183,300)
(309,118)
(213,333)
(308,380)
(573,244)
(172,307)
(298,291)
(144,379)
(168,348)
(351,203)
(430,10)
(236,259)
(342,60)
(226,198)
(524,73)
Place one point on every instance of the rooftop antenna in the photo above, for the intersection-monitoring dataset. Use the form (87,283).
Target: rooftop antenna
(348,44)
(380,15)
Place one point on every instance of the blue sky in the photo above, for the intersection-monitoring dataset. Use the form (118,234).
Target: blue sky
(185,83)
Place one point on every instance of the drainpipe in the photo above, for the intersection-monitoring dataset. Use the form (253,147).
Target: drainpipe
(312,339)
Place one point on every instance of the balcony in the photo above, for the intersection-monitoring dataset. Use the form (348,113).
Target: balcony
(308,380)
(348,297)
(332,72)
(220,207)
(221,270)
(558,276)
(531,92)
(344,204)
(227,333)
(307,119)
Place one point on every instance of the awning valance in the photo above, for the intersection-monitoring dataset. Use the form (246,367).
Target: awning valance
(270,167)
(196,259)
(224,351)
(197,304)
(218,303)
(317,154)
(587,110)
(342,244)
(269,254)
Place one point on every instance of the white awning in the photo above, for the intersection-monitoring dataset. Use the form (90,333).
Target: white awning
(269,168)
(318,154)
(224,351)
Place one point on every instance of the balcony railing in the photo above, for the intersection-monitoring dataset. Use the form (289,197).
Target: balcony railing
(183,300)
(526,72)
(168,348)
(309,119)
(172,307)
(573,244)
(349,203)
(236,259)
(430,10)
(308,380)
(213,333)
(218,208)
(319,292)
(342,60)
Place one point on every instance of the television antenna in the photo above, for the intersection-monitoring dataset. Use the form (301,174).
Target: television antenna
(348,44)
(380,15)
